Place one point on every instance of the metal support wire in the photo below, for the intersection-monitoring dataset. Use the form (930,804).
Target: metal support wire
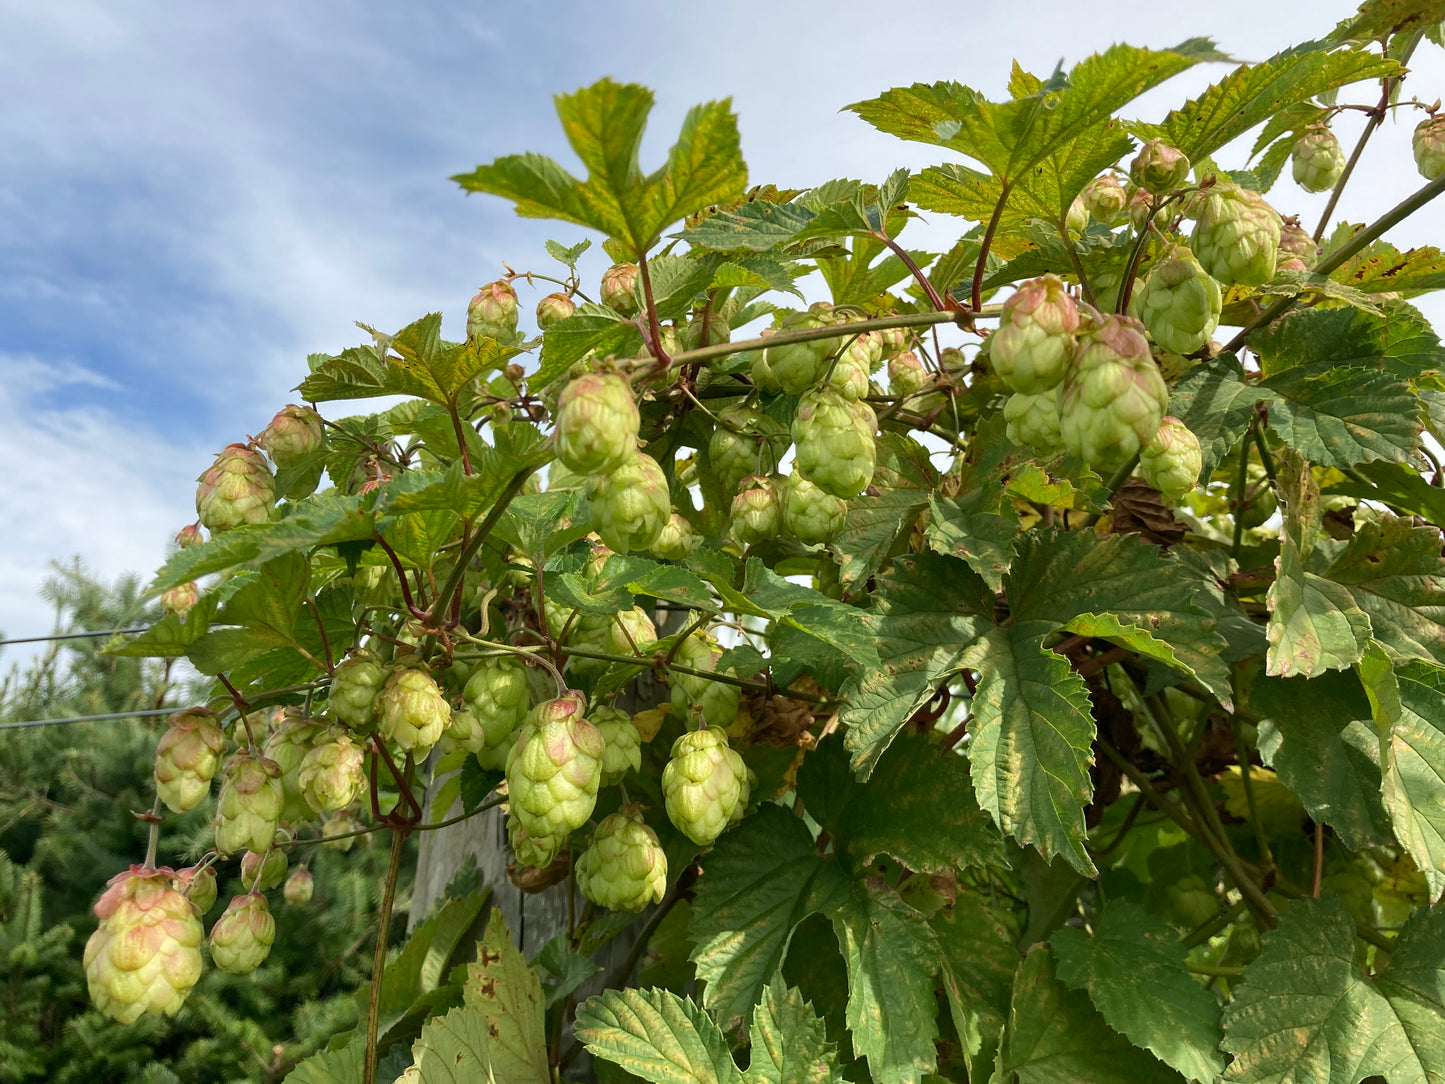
(72,636)
(91,718)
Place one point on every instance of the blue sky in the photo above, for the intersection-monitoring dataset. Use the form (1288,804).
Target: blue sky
(196,196)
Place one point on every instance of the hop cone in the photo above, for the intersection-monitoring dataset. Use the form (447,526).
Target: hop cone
(1104,198)
(498,698)
(622,752)
(492,313)
(336,831)
(287,747)
(1171,460)
(188,536)
(1295,244)
(1035,336)
(1033,421)
(1113,395)
(675,541)
(536,852)
(893,339)
(1159,168)
(755,516)
(463,732)
(1428,144)
(554,769)
(1316,159)
(294,434)
(597,422)
(355,684)
(619,288)
(1078,216)
(198,883)
(794,367)
(630,505)
(552,308)
(630,631)
(1178,302)
(849,378)
(331,773)
(249,807)
(704,785)
(145,955)
(1236,238)
(835,443)
(261,872)
(412,711)
(187,757)
(237,488)
(715,701)
(809,514)
(299,886)
(624,868)
(906,374)
(746,442)
(180,600)
(241,938)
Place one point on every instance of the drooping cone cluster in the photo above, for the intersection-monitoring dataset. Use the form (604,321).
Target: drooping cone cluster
(810,515)
(1033,421)
(705,785)
(835,446)
(1113,396)
(250,804)
(1236,237)
(629,506)
(492,313)
(624,868)
(1035,337)
(496,693)
(795,367)
(291,738)
(331,773)
(596,424)
(622,752)
(554,770)
(1159,168)
(412,712)
(1317,160)
(146,953)
(241,938)
(355,685)
(715,701)
(236,489)
(619,288)
(552,308)
(755,516)
(1171,461)
(1428,144)
(1178,303)
(187,757)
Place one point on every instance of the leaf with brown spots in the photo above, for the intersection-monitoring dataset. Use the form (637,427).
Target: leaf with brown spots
(507,996)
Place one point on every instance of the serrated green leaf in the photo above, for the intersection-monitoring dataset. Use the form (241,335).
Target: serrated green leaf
(567,255)
(1134,971)
(1395,573)
(1338,415)
(1396,485)
(452,1049)
(507,996)
(1382,268)
(592,327)
(343,1066)
(978,958)
(976,527)
(1380,19)
(903,479)
(1400,342)
(564,964)
(656,1035)
(755,226)
(789,1042)
(1216,404)
(170,637)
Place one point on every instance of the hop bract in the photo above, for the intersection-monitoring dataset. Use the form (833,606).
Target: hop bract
(704,785)
(1035,336)
(1178,303)
(294,434)
(555,768)
(1428,143)
(187,757)
(1159,168)
(412,711)
(355,684)
(715,701)
(629,506)
(624,868)
(552,308)
(1236,238)
(492,313)
(619,288)
(596,424)
(498,698)
(755,516)
(237,488)
(331,772)
(835,444)
(249,807)
(811,515)
(241,938)
(145,955)
(1317,160)
(1033,421)
(623,750)
(1171,461)
(1113,395)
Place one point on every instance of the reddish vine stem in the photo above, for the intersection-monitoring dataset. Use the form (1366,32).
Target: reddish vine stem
(916,271)
(461,435)
(976,294)
(406,596)
(654,329)
(1319,871)
(321,628)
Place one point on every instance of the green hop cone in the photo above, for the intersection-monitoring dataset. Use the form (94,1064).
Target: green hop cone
(249,807)
(1236,237)
(715,701)
(464,733)
(1033,421)
(619,288)
(795,367)
(188,536)
(187,757)
(745,442)
(498,698)
(1104,198)
(555,768)
(906,374)
(835,444)
(198,883)
(492,313)
(1317,160)
(596,424)
(1428,144)
(1178,303)
(1297,249)
(1036,336)
(849,378)
(236,489)
(1113,396)
(331,773)
(624,867)
(287,746)
(536,852)
(1171,460)
(262,872)
(675,541)
(145,955)
(629,506)
(755,516)
(338,832)
(355,684)
(891,340)
(552,308)
(630,632)
(1159,168)
(181,600)
(623,750)
(1077,217)
(704,785)
(299,887)
(412,711)
(810,515)
(295,434)
(241,938)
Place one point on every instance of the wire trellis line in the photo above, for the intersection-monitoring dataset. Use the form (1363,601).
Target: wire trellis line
(90,718)
(72,636)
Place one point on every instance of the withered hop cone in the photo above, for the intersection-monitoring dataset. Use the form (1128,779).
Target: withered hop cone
(145,955)
(187,757)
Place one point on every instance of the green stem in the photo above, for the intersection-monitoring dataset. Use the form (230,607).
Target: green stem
(1241,482)
(378,960)
(1116,480)
(1266,858)
(1219,971)
(453,582)
(1215,924)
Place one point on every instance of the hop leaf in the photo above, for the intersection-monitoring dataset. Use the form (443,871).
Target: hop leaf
(145,955)
(554,769)
(630,505)
(596,424)
(705,785)
(241,938)
(187,757)
(624,868)
(237,488)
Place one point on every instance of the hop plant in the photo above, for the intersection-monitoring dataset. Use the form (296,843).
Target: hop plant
(755,516)
(236,489)
(181,600)
(552,308)
(1178,303)
(355,684)
(492,313)
(1033,421)
(241,938)
(412,711)
(622,752)
(1036,336)
(555,768)
(629,506)
(1104,198)
(498,698)
(261,872)
(198,883)
(1428,144)
(331,773)
(1297,249)
(810,515)
(624,867)
(1171,461)
(1113,396)
(1236,237)
(1159,168)
(250,804)
(295,433)
(299,887)
(704,784)
(187,757)
(145,955)
(675,541)
(795,367)
(834,438)
(286,747)
(1317,160)
(715,701)
(619,288)
(745,442)
(596,424)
